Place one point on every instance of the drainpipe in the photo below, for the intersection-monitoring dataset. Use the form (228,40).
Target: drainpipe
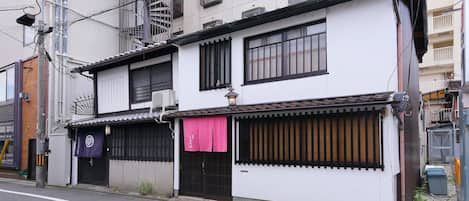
(400,75)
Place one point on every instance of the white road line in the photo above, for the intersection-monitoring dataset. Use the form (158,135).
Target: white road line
(32,195)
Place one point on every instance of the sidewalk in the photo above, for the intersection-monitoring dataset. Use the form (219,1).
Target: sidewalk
(102,189)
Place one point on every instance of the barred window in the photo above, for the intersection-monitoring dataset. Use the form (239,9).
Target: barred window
(215,65)
(336,140)
(142,142)
(290,53)
(149,79)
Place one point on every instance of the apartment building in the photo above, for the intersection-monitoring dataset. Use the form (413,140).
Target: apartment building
(440,80)
(442,62)
(145,22)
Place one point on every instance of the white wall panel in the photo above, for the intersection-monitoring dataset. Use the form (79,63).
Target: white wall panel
(113,90)
(317,184)
(358,60)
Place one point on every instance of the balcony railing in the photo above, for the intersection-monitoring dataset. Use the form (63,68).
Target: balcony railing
(442,22)
(83,105)
(441,115)
(442,54)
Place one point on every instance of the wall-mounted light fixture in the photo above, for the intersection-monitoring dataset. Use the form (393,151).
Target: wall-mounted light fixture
(231,96)
(107,130)
(25,96)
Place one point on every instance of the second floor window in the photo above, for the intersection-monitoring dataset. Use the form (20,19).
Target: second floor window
(178,8)
(290,53)
(215,65)
(7,84)
(149,79)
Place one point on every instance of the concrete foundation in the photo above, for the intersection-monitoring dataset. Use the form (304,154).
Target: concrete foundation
(127,175)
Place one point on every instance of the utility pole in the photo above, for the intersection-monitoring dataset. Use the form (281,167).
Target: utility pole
(28,20)
(40,127)
(464,105)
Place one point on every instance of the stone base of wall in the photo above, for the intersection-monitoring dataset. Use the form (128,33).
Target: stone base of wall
(127,175)
(244,199)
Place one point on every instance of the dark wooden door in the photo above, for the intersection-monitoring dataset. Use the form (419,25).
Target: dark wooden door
(206,174)
(32,159)
(94,171)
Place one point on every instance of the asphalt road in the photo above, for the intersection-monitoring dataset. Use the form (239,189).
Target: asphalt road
(20,192)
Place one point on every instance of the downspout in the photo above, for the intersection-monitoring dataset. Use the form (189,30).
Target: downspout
(61,66)
(18,116)
(51,83)
(400,75)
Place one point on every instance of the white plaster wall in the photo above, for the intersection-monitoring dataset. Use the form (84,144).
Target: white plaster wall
(318,184)
(90,40)
(176,154)
(113,90)
(432,82)
(74,165)
(359,60)
(174,60)
(127,175)
(87,41)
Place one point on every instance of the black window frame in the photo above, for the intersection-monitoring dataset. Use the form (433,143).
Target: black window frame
(283,32)
(148,68)
(216,46)
(178,13)
(141,142)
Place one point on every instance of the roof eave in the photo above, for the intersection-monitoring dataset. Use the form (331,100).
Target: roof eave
(124,59)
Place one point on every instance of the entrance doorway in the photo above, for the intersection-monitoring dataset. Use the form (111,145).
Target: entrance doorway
(93,170)
(206,174)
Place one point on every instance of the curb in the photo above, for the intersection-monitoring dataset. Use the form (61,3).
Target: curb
(86,188)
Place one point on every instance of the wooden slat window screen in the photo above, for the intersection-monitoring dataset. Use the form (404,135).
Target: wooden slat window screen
(351,139)
(142,142)
(215,64)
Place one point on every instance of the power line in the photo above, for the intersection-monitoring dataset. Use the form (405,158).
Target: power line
(102,12)
(82,15)
(39,6)
(15,9)
(24,8)
(13,37)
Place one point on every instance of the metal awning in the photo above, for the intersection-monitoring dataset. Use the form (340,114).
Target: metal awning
(117,119)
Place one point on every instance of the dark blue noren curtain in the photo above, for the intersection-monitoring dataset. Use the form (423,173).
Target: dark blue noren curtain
(89,144)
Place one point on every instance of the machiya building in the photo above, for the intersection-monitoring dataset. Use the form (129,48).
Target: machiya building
(277,106)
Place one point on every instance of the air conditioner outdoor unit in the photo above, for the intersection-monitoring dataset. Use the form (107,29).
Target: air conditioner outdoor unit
(162,99)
